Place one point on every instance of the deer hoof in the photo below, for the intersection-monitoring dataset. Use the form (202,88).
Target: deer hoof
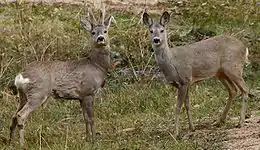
(239,125)
(192,128)
(218,123)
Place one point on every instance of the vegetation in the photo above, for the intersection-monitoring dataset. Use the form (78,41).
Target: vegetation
(135,112)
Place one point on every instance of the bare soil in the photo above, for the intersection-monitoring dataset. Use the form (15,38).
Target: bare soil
(229,137)
(246,137)
(135,6)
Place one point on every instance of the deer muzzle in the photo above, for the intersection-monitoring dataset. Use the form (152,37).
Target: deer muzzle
(101,39)
(156,41)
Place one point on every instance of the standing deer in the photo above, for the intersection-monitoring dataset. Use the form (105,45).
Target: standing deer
(78,79)
(220,56)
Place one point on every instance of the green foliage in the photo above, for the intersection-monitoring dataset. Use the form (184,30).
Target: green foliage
(135,112)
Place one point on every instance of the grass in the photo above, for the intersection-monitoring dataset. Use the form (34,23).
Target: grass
(134,113)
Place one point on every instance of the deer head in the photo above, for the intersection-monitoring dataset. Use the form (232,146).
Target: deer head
(98,29)
(158,29)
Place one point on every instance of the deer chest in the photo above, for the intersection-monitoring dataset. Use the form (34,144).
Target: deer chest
(171,73)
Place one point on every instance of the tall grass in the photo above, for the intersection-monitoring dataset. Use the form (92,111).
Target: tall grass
(134,112)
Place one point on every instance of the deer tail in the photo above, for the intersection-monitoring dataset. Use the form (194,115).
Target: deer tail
(247,54)
(21,82)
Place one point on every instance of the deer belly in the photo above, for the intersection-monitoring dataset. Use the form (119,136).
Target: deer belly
(76,90)
(199,74)
(66,92)
(204,68)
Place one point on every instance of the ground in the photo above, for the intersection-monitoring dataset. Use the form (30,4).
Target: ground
(244,138)
(247,137)
(131,112)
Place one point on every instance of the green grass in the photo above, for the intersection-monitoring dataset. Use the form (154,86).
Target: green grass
(133,113)
(147,111)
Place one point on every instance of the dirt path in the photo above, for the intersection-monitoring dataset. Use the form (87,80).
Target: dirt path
(231,138)
(246,137)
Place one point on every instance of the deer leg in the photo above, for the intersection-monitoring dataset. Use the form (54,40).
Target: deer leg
(87,109)
(14,122)
(182,90)
(237,78)
(187,107)
(12,128)
(33,102)
(232,91)
(244,90)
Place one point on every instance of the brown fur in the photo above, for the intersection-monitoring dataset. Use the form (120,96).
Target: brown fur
(220,56)
(77,79)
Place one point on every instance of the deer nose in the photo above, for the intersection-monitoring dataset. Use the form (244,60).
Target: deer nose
(100,39)
(156,40)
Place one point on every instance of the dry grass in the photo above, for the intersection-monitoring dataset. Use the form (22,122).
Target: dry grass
(135,112)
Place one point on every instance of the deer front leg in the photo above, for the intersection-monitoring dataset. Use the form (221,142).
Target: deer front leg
(182,90)
(187,107)
(87,109)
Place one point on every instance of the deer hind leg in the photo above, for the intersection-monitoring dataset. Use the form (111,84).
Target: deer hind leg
(14,122)
(244,90)
(88,113)
(32,103)
(236,77)
(187,107)
(232,91)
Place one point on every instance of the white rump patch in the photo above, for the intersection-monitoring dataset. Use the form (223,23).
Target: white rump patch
(20,81)
(247,54)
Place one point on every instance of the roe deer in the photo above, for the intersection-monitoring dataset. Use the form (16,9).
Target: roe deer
(78,79)
(219,56)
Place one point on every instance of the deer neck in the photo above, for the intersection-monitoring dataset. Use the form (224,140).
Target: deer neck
(100,57)
(162,52)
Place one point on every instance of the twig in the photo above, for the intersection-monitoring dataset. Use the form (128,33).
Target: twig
(42,138)
(76,16)
(66,143)
(126,130)
(28,41)
(40,134)
(132,67)
(172,136)
(45,49)
(141,14)
(64,119)
(148,62)
(46,143)
(3,70)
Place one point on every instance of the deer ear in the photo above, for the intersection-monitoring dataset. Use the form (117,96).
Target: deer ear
(86,25)
(147,20)
(165,18)
(108,21)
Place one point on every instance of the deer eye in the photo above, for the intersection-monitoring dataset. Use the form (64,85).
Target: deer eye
(93,33)
(105,31)
(151,31)
(162,31)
